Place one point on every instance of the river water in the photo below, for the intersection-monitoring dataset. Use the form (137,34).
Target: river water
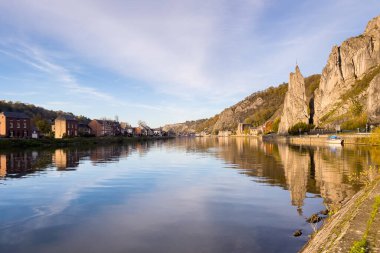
(181,195)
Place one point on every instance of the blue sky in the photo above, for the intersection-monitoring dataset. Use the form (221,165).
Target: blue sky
(164,61)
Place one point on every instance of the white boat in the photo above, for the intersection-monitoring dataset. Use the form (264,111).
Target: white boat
(333,139)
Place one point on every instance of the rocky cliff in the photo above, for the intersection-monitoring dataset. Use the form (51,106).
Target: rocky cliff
(346,76)
(295,108)
(263,107)
(374,100)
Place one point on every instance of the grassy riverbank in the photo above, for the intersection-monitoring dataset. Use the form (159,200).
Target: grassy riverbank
(78,141)
(355,139)
(353,228)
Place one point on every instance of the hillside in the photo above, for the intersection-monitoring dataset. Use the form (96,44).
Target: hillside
(258,108)
(31,110)
(41,117)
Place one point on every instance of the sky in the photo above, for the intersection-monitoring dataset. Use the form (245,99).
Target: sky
(164,61)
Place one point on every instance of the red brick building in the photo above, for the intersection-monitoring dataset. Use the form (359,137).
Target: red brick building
(15,125)
(104,127)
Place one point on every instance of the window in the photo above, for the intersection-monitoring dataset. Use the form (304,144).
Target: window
(24,124)
(11,124)
(11,133)
(18,124)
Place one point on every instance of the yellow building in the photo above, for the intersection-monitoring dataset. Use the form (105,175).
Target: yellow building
(65,126)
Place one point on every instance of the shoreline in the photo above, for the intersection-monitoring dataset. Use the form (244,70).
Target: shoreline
(310,140)
(6,143)
(352,139)
(348,225)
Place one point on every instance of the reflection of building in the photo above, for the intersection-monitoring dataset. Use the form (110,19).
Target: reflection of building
(3,166)
(15,164)
(64,159)
(15,125)
(105,154)
(65,126)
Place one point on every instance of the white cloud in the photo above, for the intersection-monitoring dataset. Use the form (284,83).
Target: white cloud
(172,45)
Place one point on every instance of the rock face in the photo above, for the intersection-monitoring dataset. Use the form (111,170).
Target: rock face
(295,104)
(346,64)
(373,106)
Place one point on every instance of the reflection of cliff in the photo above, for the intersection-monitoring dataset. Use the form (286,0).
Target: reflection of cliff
(331,167)
(254,158)
(321,170)
(296,167)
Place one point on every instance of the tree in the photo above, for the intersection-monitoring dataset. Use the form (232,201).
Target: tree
(43,126)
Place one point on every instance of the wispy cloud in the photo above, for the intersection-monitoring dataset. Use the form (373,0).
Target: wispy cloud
(194,53)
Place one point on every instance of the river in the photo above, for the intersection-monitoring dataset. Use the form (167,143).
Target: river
(181,195)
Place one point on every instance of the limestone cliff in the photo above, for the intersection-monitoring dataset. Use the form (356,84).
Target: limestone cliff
(373,106)
(346,66)
(295,105)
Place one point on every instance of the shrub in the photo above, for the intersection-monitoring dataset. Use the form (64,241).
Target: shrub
(276,124)
(375,136)
(355,123)
(300,127)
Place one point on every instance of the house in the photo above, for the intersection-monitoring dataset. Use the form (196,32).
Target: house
(158,132)
(65,126)
(255,131)
(138,131)
(15,125)
(224,133)
(104,127)
(84,129)
(126,129)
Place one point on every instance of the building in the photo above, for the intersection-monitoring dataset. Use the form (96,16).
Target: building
(65,126)
(104,127)
(15,125)
(84,129)
(255,131)
(224,133)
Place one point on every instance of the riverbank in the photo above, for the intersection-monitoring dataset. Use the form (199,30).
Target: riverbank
(355,139)
(350,225)
(52,143)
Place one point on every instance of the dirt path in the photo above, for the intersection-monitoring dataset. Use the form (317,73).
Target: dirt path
(348,225)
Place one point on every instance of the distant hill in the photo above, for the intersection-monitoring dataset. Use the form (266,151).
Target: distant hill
(258,108)
(31,110)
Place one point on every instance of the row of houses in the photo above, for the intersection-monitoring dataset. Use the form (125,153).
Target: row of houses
(18,125)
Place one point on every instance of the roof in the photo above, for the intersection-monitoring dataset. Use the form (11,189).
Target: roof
(83,125)
(66,117)
(18,115)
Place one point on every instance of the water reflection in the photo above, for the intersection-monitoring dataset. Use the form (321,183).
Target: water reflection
(183,195)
